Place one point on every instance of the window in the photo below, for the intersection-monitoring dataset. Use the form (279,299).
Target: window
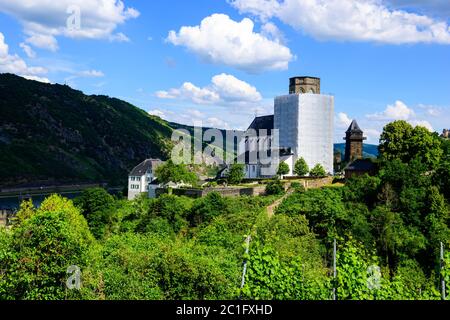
(138,179)
(133,178)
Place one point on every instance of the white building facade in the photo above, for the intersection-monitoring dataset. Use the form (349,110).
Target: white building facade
(306,126)
(141,179)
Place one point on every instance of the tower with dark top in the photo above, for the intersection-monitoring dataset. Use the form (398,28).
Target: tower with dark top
(302,85)
(355,139)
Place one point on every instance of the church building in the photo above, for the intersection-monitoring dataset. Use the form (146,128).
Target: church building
(304,120)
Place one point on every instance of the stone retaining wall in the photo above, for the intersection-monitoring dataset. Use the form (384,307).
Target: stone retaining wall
(308,183)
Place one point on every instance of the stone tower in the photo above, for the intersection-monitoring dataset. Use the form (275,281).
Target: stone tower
(300,85)
(354,147)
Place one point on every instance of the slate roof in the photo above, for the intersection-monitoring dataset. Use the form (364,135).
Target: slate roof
(354,128)
(264,122)
(144,167)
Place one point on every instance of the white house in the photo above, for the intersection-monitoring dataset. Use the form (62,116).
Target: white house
(142,177)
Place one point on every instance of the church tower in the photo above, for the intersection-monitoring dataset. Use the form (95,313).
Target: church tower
(301,85)
(354,147)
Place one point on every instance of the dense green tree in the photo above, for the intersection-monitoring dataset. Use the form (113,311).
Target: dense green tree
(206,209)
(301,167)
(318,171)
(97,206)
(401,141)
(283,169)
(236,174)
(176,173)
(363,189)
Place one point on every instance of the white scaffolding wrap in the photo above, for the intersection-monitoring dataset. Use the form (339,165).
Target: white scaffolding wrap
(306,124)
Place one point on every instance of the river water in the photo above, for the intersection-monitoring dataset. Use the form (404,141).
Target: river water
(14,202)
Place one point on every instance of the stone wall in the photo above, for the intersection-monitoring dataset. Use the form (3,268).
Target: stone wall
(308,183)
(225,192)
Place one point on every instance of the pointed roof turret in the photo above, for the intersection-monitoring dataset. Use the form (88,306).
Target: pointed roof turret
(354,128)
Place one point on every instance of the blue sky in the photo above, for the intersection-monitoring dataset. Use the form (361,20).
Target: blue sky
(222,62)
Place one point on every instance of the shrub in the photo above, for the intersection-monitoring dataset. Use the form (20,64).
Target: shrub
(318,171)
(301,168)
(275,188)
(236,174)
(283,169)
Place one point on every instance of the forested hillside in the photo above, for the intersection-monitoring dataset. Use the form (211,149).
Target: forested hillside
(56,134)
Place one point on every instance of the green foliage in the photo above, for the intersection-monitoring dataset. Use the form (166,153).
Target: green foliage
(153,267)
(206,209)
(275,187)
(26,211)
(41,249)
(270,278)
(301,168)
(176,173)
(283,169)
(388,229)
(318,171)
(97,206)
(236,174)
(400,141)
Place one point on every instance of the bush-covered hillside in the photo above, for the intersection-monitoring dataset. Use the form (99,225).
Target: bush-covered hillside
(388,228)
(55,133)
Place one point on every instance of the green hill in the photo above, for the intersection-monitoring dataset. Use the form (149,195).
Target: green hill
(369,150)
(52,133)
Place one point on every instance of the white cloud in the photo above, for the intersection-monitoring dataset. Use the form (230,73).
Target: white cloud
(158,113)
(356,20)
(214,122)
(422,123)
(397,111)
(342,120)
(221,40)
(224,89)
(12,63)
(36,78)
(44,20)
(43,41)
(91,74)
(28,51)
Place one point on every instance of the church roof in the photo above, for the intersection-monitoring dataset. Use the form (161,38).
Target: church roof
(264,122)
(354,128)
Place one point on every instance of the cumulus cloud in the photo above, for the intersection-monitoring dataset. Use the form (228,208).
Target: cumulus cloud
(397,111)
(357,20)
(400,111)
(343,121)
(12,63)
(45,20)
(224,89)
(221,40)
